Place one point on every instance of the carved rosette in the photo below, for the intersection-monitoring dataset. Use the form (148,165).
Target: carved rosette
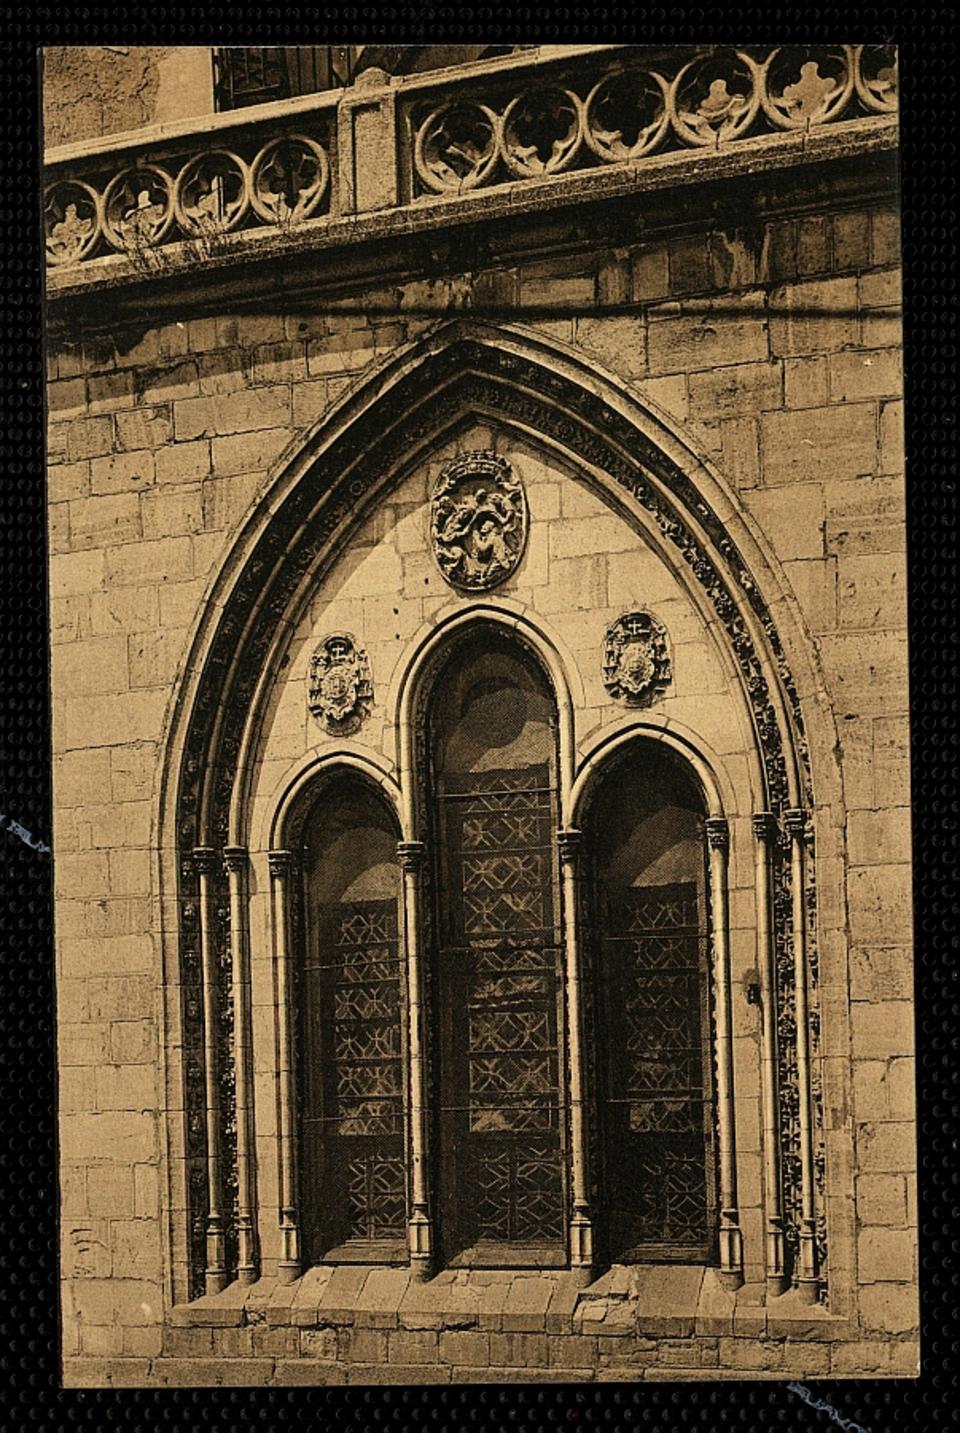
(478,521)
(636,659)
(341,689)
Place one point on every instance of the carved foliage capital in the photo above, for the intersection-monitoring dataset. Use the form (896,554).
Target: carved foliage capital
(765,827)
(204,860)
(235,858)
(570,844)
(281,862)
(718,833)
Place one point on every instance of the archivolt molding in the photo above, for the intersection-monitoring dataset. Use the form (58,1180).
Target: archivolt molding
(300,786)
(373,435)
(633,731)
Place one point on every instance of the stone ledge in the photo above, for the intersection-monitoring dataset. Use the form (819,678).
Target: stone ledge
(625,1302)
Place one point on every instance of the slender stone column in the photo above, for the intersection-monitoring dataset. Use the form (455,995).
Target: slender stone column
(581,1224)
(235,860)
(289,1267)
(731,1240)
(419,1226)
(215,1275)
(808,1275)
(765,831)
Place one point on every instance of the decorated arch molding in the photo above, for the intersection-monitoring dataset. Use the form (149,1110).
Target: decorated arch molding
(319,493)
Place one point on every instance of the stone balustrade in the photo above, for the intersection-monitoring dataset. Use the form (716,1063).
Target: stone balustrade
(405,143)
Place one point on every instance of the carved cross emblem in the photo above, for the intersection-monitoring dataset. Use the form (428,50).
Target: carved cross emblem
(340,687)
(636,661)
(478,520)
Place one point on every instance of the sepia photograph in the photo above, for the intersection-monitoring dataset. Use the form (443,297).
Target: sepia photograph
(480,714)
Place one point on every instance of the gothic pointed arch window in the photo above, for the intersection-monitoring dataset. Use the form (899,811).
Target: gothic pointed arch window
(651,1027)
(351,1022)
(493,797)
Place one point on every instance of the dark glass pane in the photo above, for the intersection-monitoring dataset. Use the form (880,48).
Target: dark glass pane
(354,1184)
(494,745)
(652,1037)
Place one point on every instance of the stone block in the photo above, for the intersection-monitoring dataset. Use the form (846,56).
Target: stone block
(650,273)
(167,512)
(111,998)
(226,500)
(803,445)
(242,454)
(283,362)
(133,1042)
(885,236)
(518,1350)
(126,1087)
(815,317)
(135,1246)
(154,658)
(750,1353)
(123,610)
(466,1349)
(102,521)
(880,905)
(122,472)
(133,769)
(866,673)
(709,337)
(805,382)
(89,438)
(224,413)
(858,374)
(143,428)
(75,573)
(791,519)
(410,1346)
(94,666)
(881,973)
(877,838)
(618,341)
(183,462)
(169,383)
(889,1308)
(886,1148)
(67,480)
(740,447)
(378,1302)
(319,1343)
(891,437)
(133,1303)
(814,582)
(814,249)
(731,391)
(851,241)
(168,559)
(122,717)
(882,1199)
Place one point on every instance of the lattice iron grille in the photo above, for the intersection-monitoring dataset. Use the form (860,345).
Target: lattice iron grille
(500,969)
(353,1116)
(656,1092)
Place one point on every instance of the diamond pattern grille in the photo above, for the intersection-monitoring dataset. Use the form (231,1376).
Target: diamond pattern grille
(655,1089)
(353,1076)
(499,965)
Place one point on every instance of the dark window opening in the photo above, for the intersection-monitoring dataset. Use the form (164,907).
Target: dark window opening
(652,1038)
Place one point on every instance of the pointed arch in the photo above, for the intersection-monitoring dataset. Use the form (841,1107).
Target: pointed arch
(327,482)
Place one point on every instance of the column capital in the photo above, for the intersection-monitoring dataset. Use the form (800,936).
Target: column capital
(718,833)
(570,843)
(235,858)
(795,820)
(765,826)
(280,862)
(204,860)
(410,854)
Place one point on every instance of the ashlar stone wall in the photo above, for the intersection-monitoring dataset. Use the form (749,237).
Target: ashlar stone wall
(777,355)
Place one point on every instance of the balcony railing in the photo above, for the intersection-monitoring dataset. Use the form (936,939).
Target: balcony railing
(509,124)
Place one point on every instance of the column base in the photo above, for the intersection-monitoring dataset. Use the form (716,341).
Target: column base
(421,1268)
(777,1284)
(808,1291)
(215,1281)
(731,1279)
(288,1273)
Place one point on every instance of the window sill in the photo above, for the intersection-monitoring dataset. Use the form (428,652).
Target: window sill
(652,1301)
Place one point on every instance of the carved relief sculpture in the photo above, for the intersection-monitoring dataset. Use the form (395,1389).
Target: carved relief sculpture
(636,660)
(478,521)
(340,686)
